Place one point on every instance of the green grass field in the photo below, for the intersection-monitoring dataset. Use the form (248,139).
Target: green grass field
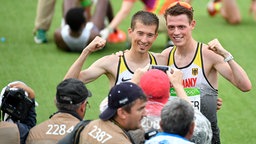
(43,66)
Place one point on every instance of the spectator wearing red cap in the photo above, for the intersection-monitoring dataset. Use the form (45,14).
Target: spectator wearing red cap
(156,85)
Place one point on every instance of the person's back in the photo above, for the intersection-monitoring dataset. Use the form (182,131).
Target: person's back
(50,131)
(111,133)
(71,100)
(9,133)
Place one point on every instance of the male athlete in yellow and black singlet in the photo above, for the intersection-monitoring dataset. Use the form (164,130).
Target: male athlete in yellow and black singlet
(201,93)
(123,71)
(196,83)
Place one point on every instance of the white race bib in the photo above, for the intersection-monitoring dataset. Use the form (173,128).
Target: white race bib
(193,95)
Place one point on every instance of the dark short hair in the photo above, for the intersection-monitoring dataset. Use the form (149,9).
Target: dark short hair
(146,18)
(179,10)
(75,18)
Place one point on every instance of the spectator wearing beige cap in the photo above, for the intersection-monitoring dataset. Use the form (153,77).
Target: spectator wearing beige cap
(71,101)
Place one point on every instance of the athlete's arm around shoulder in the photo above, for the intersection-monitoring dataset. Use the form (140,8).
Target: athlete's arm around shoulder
(214,55)
(74,71)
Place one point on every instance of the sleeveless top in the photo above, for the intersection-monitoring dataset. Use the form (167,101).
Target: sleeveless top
(123,71)
(77,44)
(196,83)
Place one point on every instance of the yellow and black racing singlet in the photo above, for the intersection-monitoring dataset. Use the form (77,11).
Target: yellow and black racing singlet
(123,71)
(198,88)
(193,75)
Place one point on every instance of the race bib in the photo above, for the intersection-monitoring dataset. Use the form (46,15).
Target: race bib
(193,95)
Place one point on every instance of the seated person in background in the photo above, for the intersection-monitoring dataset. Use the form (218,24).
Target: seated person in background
(78,31)
(18,111)
(126,108)
(156,85)
(71,101)
(229,10)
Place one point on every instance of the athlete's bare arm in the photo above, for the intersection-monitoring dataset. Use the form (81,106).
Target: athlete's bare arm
(74,70)
(106,65)
(230,70)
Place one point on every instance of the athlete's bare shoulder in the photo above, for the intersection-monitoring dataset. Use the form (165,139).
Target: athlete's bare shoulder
(166,51)
(160,58)
(209,55)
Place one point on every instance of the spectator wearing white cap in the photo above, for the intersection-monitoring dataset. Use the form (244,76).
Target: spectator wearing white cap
(71,101)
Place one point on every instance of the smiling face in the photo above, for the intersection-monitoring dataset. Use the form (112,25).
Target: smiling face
(179,29)
(142,36)
(134,117)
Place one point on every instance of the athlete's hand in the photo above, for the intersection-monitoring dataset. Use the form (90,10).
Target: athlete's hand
(19,84)
(175,76)
(96,44)
(138,73)
(216,47)
(121,53)
(219,103)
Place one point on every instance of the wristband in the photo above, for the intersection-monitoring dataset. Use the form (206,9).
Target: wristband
(230,57)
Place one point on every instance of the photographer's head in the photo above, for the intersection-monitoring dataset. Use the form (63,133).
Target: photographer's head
(126,105)
(72,95)
(177,117)
(16,99)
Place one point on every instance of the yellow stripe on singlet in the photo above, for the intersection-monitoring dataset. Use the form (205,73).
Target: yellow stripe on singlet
(123,66)
(197,60)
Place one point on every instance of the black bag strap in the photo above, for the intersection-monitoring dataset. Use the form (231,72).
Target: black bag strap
(74,136)
(79,130)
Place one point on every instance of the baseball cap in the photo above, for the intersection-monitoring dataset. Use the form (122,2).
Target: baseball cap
(119,96)
(155,84)
(72,91)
